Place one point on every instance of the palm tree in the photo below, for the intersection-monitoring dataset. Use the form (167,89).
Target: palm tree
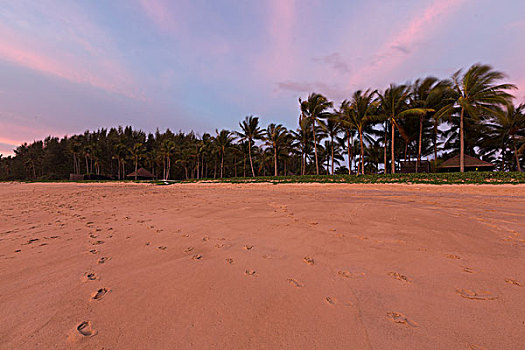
(168,148)
(137,152)
(302,140)
(509,127)
(362,110)
(314,108)
(332,129)
(476,93)
(275,136)
(223,140)
(394,106)
(426,98)
(347,125)
(250,132)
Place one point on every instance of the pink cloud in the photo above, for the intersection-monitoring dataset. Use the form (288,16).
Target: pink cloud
(396,50)
(278,61)
(87,59)
(159,13)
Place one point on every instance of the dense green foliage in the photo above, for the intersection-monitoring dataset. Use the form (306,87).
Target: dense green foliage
(471,113)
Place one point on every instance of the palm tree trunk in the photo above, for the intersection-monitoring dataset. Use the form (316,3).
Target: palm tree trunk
(303,163)
(386,135)
(250,154)
(461,144)
(349,154)
(361,161)
(315,149)
(222,162)
(516,154)
(503,149)
(332,141)
(418,163)
(392,156)
(275,160)
(244,165)
(136,167)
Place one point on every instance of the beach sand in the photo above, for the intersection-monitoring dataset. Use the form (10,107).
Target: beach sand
(261,266)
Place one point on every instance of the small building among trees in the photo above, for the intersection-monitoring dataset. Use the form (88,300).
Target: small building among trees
(471,164)
(141,174)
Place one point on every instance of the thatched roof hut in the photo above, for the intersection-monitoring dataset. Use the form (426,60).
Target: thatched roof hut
(471,164)
(141,174)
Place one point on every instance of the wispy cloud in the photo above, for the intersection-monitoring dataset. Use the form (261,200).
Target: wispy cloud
(335,61)
(278,60)
(301,88)
(81,52)
(159,12)
(396,50)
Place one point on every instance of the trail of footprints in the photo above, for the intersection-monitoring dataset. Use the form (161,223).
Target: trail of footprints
(86,329)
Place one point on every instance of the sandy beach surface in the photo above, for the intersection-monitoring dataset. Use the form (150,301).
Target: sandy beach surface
(261,266)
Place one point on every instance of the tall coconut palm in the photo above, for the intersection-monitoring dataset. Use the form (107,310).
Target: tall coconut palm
(332,127)
(476,93)
(347,125)
(223,141)
(426,97)
(313,108)
(394,106)
(302,141)
(137,152)
(275,136)
(362,110)
(168,148)
(510,128)
(250,132)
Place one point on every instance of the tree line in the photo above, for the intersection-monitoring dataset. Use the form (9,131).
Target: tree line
(472,112)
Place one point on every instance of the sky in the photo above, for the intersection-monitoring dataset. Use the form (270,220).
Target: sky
(73,65)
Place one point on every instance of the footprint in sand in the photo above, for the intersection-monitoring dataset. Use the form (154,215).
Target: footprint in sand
(470,294)
(514,282)
(219,245)
(97,242)
(399,276)
(397,317)
(197,257)
(452,256)
(189,249)
(330,300)
(249,272)
(93,251)
(347,274)
(205,238)
(103,260)
(476,347)
(90,277)
(295,283)
(99,294)
(248,247)
(92,235)
(86,329)
(308,260)
(162,247)
(229,260)
(468,269)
